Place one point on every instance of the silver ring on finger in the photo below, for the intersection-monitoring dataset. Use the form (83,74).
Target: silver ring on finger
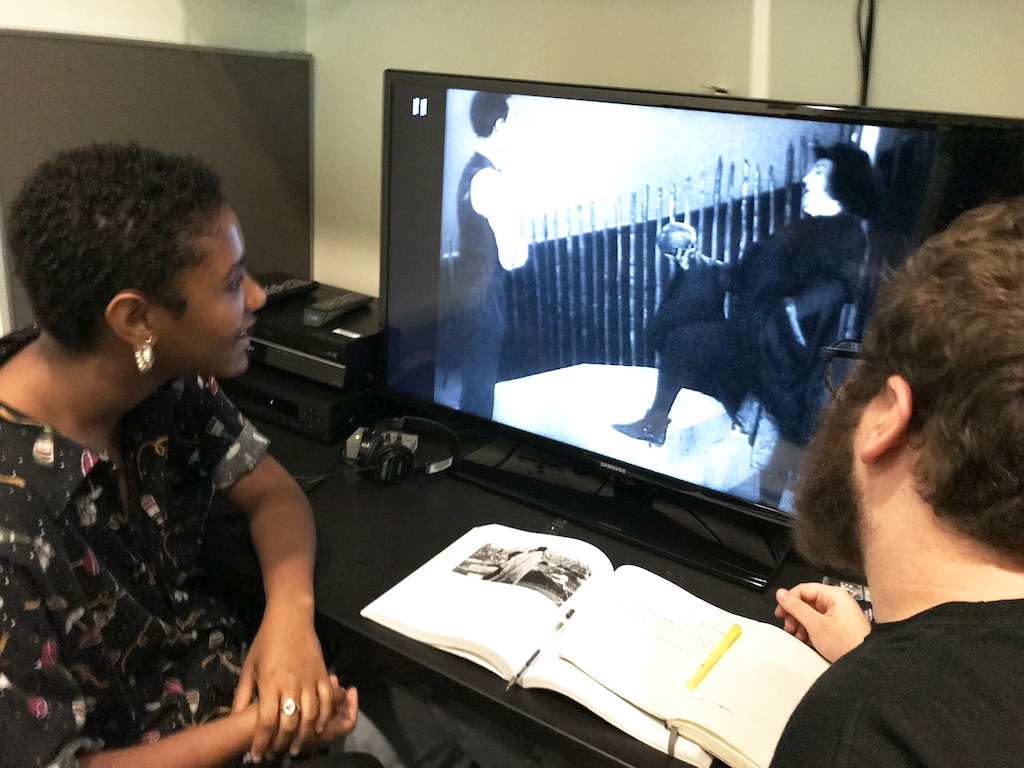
(289,707)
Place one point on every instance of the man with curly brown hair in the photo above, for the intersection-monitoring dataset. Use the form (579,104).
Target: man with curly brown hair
(914,485)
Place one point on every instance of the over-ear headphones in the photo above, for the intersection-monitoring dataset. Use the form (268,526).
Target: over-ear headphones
(388,448)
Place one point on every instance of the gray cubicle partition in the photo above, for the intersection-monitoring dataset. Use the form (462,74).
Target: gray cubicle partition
(247,114)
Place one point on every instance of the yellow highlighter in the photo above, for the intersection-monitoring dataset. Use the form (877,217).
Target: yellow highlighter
(716,653)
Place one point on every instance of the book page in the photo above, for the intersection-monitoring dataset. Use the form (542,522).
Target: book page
(644,639)
(496,594)
(555,674)
(649,637)
(747,698)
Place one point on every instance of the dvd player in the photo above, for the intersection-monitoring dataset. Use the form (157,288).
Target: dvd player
(345,353)
(300,363)
(307,407)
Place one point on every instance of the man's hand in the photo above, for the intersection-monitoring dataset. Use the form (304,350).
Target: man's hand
(824,617)
(694,259)
(513,249)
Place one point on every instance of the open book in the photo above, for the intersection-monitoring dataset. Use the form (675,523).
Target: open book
(550,612)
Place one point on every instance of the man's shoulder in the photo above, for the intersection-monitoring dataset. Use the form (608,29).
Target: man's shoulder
(856,675)
(930,650)
(838,722)
(918,692)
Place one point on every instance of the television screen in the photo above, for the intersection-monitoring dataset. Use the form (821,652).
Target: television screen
(648,279)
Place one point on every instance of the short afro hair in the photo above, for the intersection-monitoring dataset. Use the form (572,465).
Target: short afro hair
(485,110)
(93,221)
(853,182)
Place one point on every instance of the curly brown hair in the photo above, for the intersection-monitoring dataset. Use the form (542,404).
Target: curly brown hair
(950,322)
(93,221)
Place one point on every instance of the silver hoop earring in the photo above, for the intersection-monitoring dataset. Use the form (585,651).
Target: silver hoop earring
(144,356)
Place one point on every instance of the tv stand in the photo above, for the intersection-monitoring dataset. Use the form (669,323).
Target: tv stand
(690,528)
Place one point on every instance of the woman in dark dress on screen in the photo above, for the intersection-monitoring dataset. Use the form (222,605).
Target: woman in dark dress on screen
(785,296)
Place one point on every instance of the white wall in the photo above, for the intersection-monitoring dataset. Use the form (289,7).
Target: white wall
(678,45)
(939,55)
(161,20)
(946,55)
(950,55)
(813,51)
(942,55)
(267,25)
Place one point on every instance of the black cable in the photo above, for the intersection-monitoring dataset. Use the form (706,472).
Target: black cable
(865,42)
(704,523)
(509,455)
(604,482)
(470,439)
(774,550)
(311,483)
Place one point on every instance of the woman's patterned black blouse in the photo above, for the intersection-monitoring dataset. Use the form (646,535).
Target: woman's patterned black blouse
(103,641)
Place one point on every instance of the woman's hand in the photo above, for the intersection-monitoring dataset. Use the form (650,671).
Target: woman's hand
(339,719)
(286,663)
(824,617)
(285,666)
(344,708)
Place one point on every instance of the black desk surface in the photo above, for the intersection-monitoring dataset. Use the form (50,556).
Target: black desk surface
(370,536)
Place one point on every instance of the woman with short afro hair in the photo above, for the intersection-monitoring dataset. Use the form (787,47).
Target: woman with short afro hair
(114,438)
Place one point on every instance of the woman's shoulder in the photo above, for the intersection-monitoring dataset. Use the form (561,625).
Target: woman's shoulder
(34,473)
(178,408)
(187,408)
(187,391)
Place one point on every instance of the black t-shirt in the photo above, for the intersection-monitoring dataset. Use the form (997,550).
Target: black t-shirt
(942,688)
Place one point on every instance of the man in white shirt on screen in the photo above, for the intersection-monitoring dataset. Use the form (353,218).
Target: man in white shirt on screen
(914,485)
(490,244)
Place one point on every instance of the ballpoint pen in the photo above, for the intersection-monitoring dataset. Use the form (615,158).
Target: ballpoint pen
(533,656)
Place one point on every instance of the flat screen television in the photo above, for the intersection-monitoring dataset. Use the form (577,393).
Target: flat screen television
(640,282)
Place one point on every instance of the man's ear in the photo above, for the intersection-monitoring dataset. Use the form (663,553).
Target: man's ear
(129,315)
(886,420)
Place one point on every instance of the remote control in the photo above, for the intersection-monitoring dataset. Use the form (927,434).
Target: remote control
(858,592)
(324,311)
(279,286)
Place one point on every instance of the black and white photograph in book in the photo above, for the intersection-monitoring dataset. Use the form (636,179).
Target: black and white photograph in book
(544,570)
(656,284)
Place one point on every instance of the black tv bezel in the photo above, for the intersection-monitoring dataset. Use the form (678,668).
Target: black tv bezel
(815,112)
